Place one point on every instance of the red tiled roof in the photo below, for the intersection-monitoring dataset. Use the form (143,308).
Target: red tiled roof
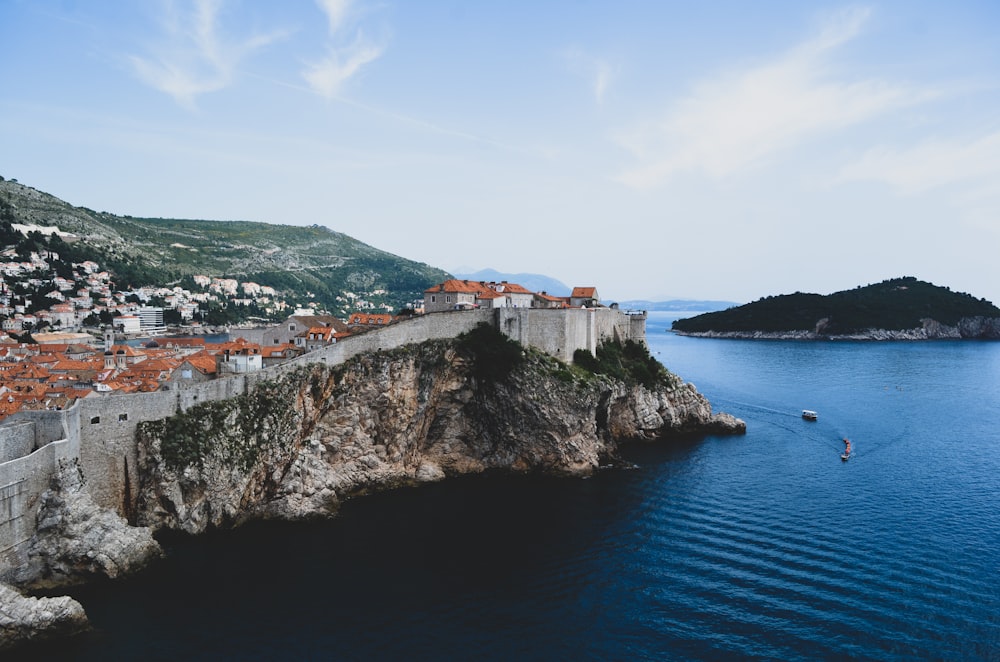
(454,286)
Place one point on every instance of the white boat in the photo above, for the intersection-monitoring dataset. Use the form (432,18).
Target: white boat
(809,415)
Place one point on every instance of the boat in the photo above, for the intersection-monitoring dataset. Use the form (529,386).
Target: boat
(809,415)
(846,455)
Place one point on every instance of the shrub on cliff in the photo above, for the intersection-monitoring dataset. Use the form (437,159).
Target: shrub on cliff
(629,361)
(493,354)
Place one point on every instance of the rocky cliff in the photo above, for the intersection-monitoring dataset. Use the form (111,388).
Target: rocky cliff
(299,446)
(76,541)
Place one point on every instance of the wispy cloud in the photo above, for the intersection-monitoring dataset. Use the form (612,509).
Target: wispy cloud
(597,71)
(745,117)
(343,60)
(195,57)
(931,164)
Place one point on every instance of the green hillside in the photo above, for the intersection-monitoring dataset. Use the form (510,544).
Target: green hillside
(308,264)
(896,304)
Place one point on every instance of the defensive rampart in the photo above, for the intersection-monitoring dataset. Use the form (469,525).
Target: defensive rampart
(99,432)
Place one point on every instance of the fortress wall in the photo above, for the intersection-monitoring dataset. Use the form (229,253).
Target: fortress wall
(107,428)
(22,481)
(16,440)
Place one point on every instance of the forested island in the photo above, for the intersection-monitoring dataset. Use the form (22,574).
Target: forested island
(896,309)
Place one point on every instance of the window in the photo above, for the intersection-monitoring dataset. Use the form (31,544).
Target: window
(447,299)
(122,417)
(434,298)
(94,420)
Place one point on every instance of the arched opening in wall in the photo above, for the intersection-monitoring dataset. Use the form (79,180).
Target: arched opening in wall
(94,420)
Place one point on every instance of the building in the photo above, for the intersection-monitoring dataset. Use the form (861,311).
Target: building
(151,320)
(584,297)
(238,357)
(294,327)
(453,294)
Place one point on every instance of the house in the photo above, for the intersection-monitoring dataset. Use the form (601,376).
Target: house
(356,321)
(287,331)
(238,357)
(584,297)
(453,294)
(316,338)
(275,354)
(194,368)
(517,295)
(546,300)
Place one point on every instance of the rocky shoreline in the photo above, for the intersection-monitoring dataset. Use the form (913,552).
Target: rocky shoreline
(968,328)
(297,447)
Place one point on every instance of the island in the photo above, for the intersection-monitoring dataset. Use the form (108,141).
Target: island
(896,309)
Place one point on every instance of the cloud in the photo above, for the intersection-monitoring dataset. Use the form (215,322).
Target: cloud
(597,71)
(327,76)
(336,12)
(931,164)
(195,57)
(741,119)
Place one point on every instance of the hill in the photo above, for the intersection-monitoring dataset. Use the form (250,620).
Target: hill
(533,282)
(677,305)
(314,263)
(899,304)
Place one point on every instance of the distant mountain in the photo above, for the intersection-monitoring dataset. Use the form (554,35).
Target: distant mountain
(677,305)
(533,282)
(893,305)
(315,263)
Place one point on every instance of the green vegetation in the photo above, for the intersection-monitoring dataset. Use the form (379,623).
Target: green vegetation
(493,354)
(307,264)
(630,362)
(235,430)
(896,304)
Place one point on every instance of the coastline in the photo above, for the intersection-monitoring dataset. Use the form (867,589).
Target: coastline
(969,328)
(324,434)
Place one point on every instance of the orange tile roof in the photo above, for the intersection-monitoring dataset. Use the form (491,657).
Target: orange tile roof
(584,292)
(454,286)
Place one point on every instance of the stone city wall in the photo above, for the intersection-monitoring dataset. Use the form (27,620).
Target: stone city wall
(23,478)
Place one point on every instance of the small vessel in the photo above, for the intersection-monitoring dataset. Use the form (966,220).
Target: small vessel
(846,455)
(809,415)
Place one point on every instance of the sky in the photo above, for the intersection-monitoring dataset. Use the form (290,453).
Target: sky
(654,149)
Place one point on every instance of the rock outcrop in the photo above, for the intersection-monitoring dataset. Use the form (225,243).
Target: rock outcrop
(78,541)
(26,619)
(297,447)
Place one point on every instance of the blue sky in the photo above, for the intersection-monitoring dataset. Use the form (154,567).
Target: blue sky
(726,150)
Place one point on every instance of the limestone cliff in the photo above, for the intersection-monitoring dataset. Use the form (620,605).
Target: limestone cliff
(78,541)
(26,619)
(297,446)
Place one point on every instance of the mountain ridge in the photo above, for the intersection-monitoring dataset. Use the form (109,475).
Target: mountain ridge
(311,259)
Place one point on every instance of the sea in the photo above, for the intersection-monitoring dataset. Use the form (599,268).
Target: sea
(764,546)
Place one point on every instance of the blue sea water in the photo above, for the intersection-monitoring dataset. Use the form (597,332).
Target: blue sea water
(762,546)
